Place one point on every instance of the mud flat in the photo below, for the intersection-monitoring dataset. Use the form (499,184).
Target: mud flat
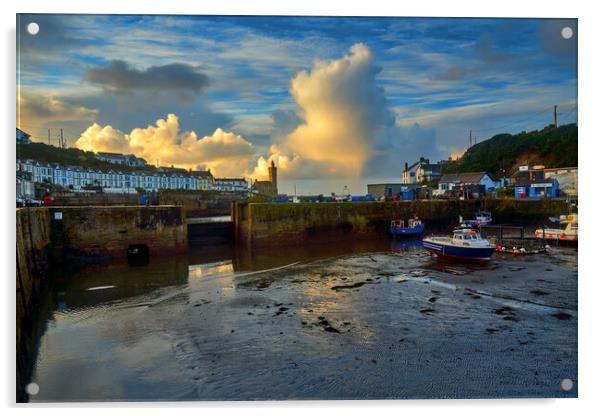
(381,322)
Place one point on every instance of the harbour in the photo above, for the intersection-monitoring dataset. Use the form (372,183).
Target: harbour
(154,282)
(247,207)
(372,320)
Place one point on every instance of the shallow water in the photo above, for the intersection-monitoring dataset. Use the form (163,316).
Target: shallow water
(373,320)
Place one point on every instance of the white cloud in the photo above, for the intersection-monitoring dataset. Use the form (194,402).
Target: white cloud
(345,116)
(226,154)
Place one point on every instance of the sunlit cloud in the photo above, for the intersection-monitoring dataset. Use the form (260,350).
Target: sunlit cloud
(225,153)
(321,123)
(343,113)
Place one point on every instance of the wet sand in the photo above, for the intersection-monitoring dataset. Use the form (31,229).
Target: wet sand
(376,322)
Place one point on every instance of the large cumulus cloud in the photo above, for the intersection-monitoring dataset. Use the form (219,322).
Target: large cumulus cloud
(225,153)
(345,120)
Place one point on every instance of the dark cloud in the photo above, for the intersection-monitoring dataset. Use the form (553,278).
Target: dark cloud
(119,76)
(406,145)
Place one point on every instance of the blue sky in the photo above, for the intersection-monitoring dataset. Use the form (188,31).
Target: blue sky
(435,78)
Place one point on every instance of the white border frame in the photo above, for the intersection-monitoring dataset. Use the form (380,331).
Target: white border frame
(589,154)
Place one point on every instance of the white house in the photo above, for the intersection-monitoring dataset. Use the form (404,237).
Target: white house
(25,187)
(231,184)
(421,170)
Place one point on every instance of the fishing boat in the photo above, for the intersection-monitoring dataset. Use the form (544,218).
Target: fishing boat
(464,245)
(484,217)
(468,224)
(567,234)
(415,227)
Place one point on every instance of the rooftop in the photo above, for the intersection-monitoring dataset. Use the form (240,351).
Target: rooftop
(467,177)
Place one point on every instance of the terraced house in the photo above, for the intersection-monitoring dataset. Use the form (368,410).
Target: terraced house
(114,180)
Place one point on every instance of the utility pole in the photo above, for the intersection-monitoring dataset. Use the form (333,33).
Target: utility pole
(62,140)
(555,116)
(48,136)
(470,139)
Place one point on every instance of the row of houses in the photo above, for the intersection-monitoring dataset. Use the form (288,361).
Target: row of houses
(77,177)
(539,182)
(528,182)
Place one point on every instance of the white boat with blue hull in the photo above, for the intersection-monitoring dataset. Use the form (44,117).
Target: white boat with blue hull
(464,245)
(484,218)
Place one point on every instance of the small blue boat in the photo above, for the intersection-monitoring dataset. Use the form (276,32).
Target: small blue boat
(464,245)
(484,217)
(469,224)
(415,227)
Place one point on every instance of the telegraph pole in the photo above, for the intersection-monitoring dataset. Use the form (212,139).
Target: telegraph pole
(62,140)
(48,136)
(470,139)
(555,116)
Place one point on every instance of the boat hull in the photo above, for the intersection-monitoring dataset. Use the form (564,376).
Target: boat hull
(413,231)
(556,235)
(471,254)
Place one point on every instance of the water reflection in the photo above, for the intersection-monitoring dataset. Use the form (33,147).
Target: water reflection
(406,243)
(107,283)
(319,321)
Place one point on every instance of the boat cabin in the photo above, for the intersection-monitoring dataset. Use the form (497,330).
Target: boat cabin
(414,222)
(463,235)
(397,223)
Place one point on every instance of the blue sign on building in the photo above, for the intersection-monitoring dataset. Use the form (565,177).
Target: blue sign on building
(545,188)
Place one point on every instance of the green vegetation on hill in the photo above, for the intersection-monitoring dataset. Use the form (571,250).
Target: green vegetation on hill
(70,157)
(551,147)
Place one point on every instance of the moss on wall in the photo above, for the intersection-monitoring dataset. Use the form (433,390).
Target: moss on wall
(292,223)
(109,231)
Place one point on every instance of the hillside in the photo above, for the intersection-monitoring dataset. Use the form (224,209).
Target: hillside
(70,156)
(551,147)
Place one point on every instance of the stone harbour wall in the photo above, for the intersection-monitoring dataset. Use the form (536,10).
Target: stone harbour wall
(105,231)
(32,257)
(49,236)
(273,224)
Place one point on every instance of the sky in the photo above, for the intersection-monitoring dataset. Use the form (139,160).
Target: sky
(333,101)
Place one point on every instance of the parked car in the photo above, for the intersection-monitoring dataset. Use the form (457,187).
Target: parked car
(31,202)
